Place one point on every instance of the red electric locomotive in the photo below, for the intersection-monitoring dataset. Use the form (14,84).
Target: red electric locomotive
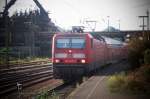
(75,54)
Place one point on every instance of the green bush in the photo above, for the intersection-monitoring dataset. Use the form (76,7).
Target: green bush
(137,81)
(147,56)
(146,74)
(134,86)
(43,95)
(137,48)
(116,82)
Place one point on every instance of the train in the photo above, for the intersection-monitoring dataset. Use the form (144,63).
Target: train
(77,54)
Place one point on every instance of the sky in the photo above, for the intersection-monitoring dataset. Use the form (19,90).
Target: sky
(67,13)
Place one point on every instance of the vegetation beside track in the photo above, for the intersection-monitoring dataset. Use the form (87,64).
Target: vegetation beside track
(27,60)
(45,95)
(137,79)
(7,57)
(24,75)
(30,60)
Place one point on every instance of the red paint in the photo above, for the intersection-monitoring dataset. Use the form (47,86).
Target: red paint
(97,52)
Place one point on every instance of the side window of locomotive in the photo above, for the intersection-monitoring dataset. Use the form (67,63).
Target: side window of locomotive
(62,43)
(91,43)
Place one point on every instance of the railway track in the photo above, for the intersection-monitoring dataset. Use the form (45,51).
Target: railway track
(26,75)
(62,91)
(22,64)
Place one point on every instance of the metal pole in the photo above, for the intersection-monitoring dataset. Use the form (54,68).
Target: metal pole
(109,34)
(148,25)
(147,20)
(19,87)
(119,24)
(7,35)
(143,24)
(143,17)
(108,22)
(5,3)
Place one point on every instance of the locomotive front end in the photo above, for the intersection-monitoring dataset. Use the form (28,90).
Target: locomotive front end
(69,56)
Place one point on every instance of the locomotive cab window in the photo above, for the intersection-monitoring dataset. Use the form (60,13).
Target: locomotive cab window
(70,43)
(62,43)
(78,43)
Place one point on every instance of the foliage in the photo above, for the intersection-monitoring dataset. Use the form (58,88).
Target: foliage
(116,82)
(137,81)
(4,50)
(147,56)
(137,48)
(3,54)
(45,95)
(54,96)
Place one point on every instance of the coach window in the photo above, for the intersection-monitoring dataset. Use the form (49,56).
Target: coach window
(91,43)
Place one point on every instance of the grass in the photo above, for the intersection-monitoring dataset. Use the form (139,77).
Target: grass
(137,81)
(116,82)
(45,95)
(25,60)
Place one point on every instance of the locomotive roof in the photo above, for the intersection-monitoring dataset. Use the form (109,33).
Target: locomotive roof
(111,40)
(108,40)
(70,33)
(73,34)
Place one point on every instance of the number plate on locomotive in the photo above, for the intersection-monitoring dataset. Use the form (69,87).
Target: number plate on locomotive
(70,61)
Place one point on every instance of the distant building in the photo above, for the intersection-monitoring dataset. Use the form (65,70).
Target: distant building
(30,33)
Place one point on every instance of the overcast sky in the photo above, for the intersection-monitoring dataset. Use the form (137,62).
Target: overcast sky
(67,13)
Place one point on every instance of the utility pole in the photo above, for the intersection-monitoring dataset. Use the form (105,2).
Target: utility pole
(119,25)
(5,3)
(143,21)
(147,19)
(108,22)
(148,25)
(5,15)
(7,31)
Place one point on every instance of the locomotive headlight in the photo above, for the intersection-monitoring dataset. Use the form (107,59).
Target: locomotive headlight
(60,55)
(78,55)
(57,61)
(83,61)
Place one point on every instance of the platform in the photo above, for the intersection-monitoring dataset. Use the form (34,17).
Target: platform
(96,87)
